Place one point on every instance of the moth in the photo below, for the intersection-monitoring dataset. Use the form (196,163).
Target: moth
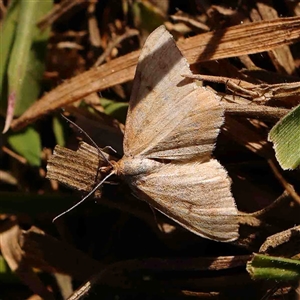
(170,132)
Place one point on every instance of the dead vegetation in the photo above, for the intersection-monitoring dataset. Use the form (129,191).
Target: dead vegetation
(115,245)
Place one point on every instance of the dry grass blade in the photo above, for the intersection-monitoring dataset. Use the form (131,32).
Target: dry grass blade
(114,275)
(233,41)
(241,40)
(281,57)
(261,112)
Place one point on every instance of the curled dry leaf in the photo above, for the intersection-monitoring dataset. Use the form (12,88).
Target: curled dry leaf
(15,258)
(51,255)
(284,243)
(77,169)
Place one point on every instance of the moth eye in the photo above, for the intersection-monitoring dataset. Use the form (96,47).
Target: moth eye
(140,181)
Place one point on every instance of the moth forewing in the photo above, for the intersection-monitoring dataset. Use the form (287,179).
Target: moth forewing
(169,116)
(161,99)
(189,132)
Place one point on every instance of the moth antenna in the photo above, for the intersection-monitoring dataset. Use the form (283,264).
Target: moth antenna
(110,148)
(85,197)
(91,140)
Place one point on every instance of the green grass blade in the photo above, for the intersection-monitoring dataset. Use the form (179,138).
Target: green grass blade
(7,35)
(59,131)
(28,144)
(26,63)
(117,110)
(146,16)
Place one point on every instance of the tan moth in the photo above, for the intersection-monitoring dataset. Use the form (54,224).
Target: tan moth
(170,132)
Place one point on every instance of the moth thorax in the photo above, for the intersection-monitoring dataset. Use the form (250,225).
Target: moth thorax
(129,166)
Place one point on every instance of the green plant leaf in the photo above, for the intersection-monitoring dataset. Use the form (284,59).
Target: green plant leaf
(28,144)
(58,130)
(6,275)
(146,15)
(117,110)
(26,61)
(285,136)
(274,268)
(8,32)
